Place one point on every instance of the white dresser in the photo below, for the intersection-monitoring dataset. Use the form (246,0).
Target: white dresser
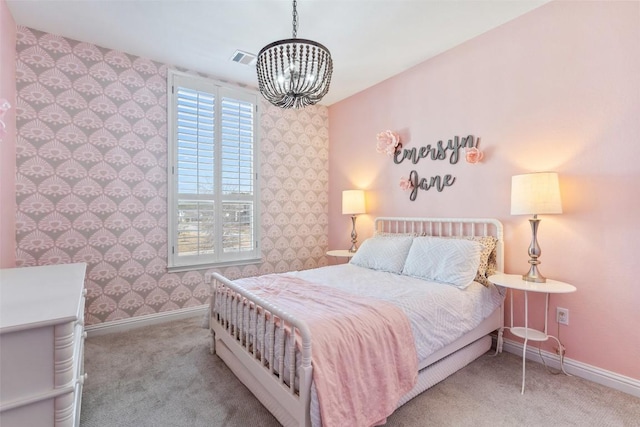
(41,345)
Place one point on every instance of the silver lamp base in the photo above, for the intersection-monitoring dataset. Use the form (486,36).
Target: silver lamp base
(354,235)
(534,252)
(534,275)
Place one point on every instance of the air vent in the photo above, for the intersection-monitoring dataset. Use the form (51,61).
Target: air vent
(244,58)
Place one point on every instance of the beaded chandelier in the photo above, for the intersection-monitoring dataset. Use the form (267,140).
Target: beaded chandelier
(294,73)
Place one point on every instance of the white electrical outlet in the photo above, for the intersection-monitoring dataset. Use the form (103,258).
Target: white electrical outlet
(562,315)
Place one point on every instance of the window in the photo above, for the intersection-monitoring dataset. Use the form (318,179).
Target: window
(213,200)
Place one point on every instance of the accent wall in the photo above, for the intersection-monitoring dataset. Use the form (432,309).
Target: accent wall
(92,178)
(556,89)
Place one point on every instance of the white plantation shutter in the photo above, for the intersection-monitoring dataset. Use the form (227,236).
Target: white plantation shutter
(213,202)
(195,171)
(237,125)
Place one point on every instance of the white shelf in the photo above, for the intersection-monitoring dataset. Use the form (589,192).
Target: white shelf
(343,253)
(528,333)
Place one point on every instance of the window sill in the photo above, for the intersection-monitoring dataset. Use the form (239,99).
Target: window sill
(181,268)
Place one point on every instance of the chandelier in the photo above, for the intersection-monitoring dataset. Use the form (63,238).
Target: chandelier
(294,73)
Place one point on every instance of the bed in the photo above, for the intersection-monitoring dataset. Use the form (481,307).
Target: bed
(268,344)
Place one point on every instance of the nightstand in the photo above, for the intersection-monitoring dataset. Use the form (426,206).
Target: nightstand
(515,282)
(342,253)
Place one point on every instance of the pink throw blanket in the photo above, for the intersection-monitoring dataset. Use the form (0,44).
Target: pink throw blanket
(363,354)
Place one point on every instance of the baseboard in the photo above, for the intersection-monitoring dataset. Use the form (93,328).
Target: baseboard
(123,325)
(588,372)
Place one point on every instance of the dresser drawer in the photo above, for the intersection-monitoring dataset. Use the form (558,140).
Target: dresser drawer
(33,414)
(27,363)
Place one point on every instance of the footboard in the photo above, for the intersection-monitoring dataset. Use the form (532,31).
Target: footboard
(252,337)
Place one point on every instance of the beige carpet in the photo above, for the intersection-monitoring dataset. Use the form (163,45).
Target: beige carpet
(163,375)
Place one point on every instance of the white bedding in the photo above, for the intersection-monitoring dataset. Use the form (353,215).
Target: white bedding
(438,313)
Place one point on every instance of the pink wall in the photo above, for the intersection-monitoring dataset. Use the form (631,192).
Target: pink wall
(556,89)
(8,141)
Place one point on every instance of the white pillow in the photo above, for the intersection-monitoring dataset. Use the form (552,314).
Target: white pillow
(383,253)
(451,261)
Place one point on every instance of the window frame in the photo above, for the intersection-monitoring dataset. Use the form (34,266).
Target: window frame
(219,258)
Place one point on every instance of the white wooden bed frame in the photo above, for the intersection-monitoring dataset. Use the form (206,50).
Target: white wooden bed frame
(245,356)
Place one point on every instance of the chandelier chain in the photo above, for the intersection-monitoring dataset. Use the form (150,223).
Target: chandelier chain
(295,19)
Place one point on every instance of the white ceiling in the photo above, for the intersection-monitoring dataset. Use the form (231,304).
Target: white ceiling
(369,40)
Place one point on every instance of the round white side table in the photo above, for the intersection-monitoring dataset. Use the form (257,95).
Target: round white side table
(341,253)
(515,282)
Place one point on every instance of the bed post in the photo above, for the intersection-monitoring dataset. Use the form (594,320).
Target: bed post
(212,301)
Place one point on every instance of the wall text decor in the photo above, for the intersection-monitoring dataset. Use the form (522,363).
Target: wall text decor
(438,152)
(389,143)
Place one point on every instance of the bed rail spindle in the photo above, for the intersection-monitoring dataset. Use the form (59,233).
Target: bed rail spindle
(272,343)
(245,322)
(283,332)
(236,317)
(254,330)
(263,322)
(240,314)
(229,308)
(222,298)
(221,313)
(242,326)
(292,360)
(227,312)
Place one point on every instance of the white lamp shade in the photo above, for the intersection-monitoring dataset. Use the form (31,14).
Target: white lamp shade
(353,202)
(535,193)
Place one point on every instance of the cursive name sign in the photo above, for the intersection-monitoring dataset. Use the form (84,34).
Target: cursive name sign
(438,182)
(440,151)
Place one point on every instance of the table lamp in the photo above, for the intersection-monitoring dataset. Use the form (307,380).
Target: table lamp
(534,194)
(353,204)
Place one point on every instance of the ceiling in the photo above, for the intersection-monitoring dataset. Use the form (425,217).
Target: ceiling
(369,40)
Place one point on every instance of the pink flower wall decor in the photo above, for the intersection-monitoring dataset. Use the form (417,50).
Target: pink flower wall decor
(406,184)
(4,107)
(388,142)
(473,155)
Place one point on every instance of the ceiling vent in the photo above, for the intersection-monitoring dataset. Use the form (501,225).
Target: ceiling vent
(244,58)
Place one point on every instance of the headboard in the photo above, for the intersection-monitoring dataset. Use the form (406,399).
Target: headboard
(446,227)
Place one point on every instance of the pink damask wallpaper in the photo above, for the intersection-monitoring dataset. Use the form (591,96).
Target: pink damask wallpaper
(91,180)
